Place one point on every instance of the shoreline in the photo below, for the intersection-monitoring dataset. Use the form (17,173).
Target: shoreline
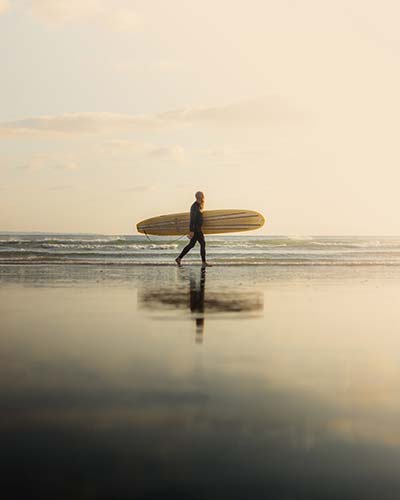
(218,275)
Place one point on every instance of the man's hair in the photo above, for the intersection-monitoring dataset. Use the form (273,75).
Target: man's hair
(198,194)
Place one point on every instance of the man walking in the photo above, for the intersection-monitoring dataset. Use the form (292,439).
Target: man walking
(196,233)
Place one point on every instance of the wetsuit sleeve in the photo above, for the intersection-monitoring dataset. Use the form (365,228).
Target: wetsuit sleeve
(192,218)
(195,218)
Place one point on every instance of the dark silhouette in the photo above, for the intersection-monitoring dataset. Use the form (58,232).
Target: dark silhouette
(193,296)
(196,233)
(197,303)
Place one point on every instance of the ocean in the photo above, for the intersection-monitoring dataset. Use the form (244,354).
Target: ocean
(51,248)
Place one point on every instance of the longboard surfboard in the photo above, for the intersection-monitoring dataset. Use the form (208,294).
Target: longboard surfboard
(214,222)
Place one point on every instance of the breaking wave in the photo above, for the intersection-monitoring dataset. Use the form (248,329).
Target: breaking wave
(24,248)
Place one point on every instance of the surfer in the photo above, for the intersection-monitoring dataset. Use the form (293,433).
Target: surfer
(196,233)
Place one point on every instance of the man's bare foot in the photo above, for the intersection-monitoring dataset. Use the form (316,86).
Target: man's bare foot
(206,264)
(178,262)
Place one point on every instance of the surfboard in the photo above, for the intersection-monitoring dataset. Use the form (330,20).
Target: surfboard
(214,222)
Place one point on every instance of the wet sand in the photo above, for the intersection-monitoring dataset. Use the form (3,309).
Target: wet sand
(240,383)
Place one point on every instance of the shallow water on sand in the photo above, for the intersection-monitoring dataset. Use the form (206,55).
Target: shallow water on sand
(234,383)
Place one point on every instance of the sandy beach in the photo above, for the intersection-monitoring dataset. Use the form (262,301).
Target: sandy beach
(237,382)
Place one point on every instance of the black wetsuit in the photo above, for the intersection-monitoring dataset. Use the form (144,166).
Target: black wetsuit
(196,223)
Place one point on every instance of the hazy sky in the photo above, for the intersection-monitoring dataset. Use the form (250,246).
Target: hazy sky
(115,111)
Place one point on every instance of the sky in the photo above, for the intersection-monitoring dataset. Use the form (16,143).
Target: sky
(112,111)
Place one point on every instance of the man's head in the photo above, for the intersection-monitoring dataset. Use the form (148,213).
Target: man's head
(200,197)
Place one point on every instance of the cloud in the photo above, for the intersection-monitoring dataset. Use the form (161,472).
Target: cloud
(231,152)
(108,14)
(174,152)
(241,114)
(78,123)
(139,188)
(255,111)
(177,153)
(39,162)
(67,165)
(122,20)
(139,67)
(35,163)
(63,10)
(126,145)
(4,6)
(61,187)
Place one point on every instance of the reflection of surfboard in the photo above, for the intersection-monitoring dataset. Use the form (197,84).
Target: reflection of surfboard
(214,221)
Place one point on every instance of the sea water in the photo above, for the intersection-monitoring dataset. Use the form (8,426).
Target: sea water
(248,249)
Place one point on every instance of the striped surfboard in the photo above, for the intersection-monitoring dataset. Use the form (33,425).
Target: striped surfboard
(214,222)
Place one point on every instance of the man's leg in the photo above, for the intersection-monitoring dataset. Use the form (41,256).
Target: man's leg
(202,242)
(188,247)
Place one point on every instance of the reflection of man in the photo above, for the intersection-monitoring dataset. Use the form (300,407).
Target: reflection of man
(196,233)
(197,303)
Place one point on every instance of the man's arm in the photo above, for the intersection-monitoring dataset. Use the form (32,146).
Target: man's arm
(193,218)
